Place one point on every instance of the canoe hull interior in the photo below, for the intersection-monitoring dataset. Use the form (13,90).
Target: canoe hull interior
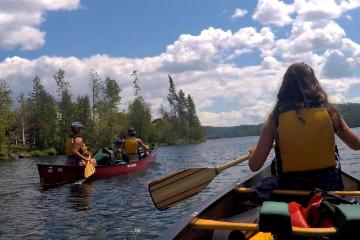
(53,175)
(230,204)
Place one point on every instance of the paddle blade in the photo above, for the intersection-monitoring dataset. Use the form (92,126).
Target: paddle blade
(89,169)
(176,187)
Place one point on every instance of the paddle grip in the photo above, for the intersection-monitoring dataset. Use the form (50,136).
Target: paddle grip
(232,163)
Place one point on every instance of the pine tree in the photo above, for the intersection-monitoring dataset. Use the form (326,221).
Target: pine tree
(83,115)
(97,90)
(196,131)
(5,112)
(139,112)
(172,98)
(139,115)
(42,117)
(183,123)
(65,108)
(109,119)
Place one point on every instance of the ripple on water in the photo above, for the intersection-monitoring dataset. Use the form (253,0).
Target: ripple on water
(120,207)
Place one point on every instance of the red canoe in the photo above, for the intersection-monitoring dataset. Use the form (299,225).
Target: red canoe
(52,175)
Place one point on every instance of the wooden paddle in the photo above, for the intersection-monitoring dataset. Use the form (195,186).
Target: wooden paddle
(89,169)
(181,185)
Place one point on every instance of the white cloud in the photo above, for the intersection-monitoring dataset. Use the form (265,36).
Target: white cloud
(204,65)
(249,114)
(20,21)
(274,12)
(239,13)
(315,10)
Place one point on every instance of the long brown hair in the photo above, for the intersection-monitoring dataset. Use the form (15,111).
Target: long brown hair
(300,87)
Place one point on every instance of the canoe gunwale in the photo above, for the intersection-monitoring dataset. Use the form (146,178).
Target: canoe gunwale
(76,173)
(178,229)
(186,219)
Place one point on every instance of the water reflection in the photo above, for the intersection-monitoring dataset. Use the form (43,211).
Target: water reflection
(120,207)
(79,196)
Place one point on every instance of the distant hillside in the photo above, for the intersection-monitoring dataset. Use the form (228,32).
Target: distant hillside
(230,132)
(349,111)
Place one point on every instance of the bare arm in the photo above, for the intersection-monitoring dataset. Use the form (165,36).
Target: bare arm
(266,140)
(141,144)
(76,149)
(348,136)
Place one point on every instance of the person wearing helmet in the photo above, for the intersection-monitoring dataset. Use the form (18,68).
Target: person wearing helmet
(132,145)
(75,148)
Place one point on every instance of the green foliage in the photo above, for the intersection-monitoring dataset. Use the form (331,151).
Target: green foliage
(38,153)
(350,112)
(6,115)
(230,132)
(179,125)
(139,112)
(3,155)
(139,115)
(51,151)
(41,116)
(65,108)
(41,122)
(108,117)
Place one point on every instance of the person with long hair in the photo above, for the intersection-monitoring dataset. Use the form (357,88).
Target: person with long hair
(303,125)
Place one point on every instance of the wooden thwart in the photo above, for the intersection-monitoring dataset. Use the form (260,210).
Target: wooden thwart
(222,225)
(299,192)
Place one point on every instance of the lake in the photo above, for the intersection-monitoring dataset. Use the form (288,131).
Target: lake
(119,207)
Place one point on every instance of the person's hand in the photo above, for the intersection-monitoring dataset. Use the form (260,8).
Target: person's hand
(252,150)
(93,161)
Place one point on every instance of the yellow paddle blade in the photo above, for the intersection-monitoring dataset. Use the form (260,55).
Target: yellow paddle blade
(89,169)
(172,189)
(262,236)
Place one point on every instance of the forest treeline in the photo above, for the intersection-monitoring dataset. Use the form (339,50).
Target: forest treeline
(39,120)
(349,111)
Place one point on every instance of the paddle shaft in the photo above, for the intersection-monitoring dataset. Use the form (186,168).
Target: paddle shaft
(232,163)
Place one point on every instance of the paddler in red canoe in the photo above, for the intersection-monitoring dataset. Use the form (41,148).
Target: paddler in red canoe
(303,124)
(75,148)
(132,145)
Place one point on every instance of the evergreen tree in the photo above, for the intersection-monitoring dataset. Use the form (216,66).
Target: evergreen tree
(97,90)
(172,98)
(42,117)
(183,123)
(65,108)
(108,124)
(5,112)
(83,115)
(196,131)
(137,88)
(139,113)
(191,112)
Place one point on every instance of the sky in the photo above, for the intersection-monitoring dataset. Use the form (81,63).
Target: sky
(229,55)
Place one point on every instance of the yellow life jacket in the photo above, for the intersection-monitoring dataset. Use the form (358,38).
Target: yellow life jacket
(131,146)
(307,143)
(69,147)
(69,143)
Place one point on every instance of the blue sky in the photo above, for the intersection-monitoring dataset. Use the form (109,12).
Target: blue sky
(232,65)
(131,28)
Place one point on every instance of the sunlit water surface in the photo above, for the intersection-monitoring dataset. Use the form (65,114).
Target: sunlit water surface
(119,207)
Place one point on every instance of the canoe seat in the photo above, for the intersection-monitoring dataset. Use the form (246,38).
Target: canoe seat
(347,220)
(275,218)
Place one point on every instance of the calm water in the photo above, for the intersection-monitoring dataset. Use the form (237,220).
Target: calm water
(115,208)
